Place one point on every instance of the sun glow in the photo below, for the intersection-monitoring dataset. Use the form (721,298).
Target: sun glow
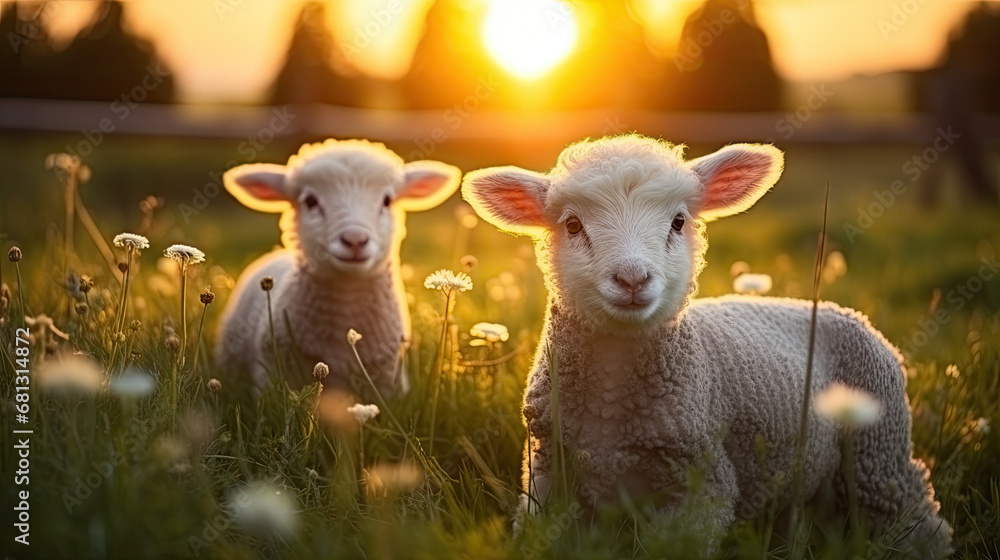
(528,38)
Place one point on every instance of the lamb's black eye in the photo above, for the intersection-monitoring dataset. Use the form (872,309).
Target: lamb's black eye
(387,201)
(573,226)
(310,201)
(678,223)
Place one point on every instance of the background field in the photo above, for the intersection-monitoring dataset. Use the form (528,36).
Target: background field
(167,490)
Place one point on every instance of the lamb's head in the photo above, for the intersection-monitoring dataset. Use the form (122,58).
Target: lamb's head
(343,202)
(618,221)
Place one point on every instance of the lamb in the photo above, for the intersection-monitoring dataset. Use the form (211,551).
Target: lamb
(654,385)
(343,207)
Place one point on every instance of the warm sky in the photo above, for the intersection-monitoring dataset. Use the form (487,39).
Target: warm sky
(231,49)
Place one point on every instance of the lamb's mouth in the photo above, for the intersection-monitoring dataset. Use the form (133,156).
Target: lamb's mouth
(633,306)
(352,260)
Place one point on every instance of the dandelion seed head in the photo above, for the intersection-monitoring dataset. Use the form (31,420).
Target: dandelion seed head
(172,342)
(847,406)
(363,412)
(353,337)
(207,297)
(320,371)
(490,332)
(184,254)
(86,283)
(131,241)
(14,255)
(214,385)
(749,283)
(447,280)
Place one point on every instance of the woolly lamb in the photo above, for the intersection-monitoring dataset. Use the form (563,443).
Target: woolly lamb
(343,205)
(654,385)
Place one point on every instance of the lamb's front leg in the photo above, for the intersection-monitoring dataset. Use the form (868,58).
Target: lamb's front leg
(537,473)
(705,510)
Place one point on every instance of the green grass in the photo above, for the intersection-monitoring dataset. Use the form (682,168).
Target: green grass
(117,478)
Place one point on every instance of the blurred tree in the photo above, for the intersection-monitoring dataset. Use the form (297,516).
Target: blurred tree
(105,62)
(965,83)
(315,68)
(613,65)
(26,62)
(444,70)
(723,62)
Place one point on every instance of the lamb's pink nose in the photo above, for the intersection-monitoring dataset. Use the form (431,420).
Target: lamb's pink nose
(631,281)
(354,240)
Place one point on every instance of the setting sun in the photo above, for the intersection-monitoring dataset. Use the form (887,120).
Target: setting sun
(529,37)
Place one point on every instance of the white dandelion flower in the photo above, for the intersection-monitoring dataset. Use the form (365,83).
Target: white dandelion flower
(363,412)
(447,280)
(748,283)
(490,332)
(184,254)
(74,373)
(850,407)
(131,241)
(262,508)
(133,383)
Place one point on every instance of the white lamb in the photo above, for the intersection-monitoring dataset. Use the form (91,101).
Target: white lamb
(653,385)
(343,205)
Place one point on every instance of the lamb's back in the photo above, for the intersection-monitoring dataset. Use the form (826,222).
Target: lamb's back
(758,348)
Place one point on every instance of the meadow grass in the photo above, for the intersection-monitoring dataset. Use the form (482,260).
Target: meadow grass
(117,476)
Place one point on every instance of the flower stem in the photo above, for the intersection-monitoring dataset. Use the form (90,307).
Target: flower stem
(20,291)
(197,344)
(439,366)
(183,313)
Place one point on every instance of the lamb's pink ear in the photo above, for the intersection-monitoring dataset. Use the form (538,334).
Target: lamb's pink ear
(427,184)
(261,186)
(511,198)
(735,177)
